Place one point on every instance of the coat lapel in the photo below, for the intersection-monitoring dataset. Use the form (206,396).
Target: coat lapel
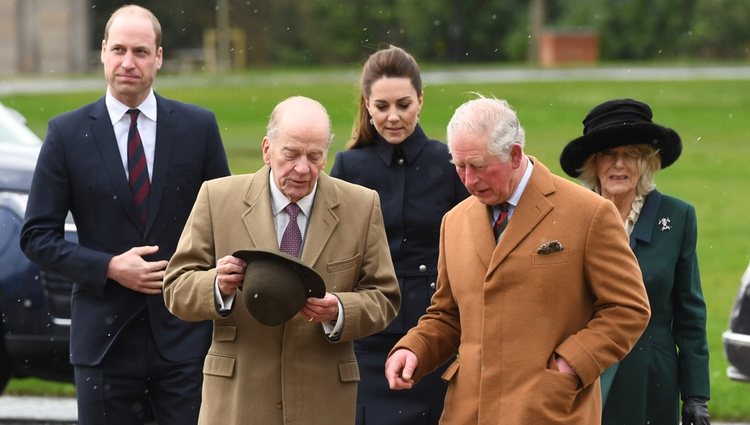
(323,219)
(106,143)
(259,210)
(478,216)
(165,140)
(531,209)
(644,226)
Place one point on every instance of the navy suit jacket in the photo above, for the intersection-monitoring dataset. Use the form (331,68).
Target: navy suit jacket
(79,170)
(414,196)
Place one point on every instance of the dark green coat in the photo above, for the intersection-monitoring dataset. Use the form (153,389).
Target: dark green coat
(671,357)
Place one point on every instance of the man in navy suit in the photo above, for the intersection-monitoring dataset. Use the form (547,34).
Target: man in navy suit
(130,355)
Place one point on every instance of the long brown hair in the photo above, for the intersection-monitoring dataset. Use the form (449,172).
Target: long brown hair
(389,62)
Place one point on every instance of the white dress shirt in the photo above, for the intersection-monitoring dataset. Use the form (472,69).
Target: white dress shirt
(118,115)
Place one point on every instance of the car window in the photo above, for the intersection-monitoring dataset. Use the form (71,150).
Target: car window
(13,128)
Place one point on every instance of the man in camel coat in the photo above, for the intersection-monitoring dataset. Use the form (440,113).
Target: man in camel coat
(535,311)
(304,370)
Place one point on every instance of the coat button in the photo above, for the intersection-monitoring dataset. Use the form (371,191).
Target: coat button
(422,268)
(279,405)
(400,161)
(432,285)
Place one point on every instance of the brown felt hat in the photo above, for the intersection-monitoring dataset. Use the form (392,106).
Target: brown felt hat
(620,122)
(277,285)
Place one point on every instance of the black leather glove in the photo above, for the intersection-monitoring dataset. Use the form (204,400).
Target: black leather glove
(695,411)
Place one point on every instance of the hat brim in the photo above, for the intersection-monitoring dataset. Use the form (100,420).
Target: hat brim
(314,284)
(275,290)
(666,140)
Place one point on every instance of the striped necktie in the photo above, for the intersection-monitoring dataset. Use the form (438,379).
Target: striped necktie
(137,168)
(502,220)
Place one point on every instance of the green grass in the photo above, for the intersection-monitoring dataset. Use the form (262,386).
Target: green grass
(711,117)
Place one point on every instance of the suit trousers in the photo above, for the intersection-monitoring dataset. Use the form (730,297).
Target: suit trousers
(134,382)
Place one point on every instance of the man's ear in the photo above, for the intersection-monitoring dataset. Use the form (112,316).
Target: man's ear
(516,155)
(265,146)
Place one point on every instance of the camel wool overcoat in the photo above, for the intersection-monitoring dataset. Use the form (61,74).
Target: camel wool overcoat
(292,374)
(561,281)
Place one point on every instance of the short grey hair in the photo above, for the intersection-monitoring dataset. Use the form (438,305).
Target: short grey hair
(488,116)
(649,162)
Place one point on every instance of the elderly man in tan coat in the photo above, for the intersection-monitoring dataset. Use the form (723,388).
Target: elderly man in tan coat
(304,370)
(536,310)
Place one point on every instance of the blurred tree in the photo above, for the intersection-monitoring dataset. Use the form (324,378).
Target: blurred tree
(634,29)
(182,21)
(721,29)
(302,32)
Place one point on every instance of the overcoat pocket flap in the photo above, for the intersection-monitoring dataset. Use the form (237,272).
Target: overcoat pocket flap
(225,333)
(218,365)
(349,372)
(450,371)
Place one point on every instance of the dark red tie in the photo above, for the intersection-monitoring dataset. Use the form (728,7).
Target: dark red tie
(291,241)
(137,168)
(502,220)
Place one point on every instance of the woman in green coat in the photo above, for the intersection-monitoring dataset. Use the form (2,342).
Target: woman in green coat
(620,151)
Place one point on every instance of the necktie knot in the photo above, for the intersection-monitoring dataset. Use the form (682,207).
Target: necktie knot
(133,116)
(293,210)
(502,220)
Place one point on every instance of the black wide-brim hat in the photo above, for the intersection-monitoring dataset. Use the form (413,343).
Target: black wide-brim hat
(277,285)
(620,122)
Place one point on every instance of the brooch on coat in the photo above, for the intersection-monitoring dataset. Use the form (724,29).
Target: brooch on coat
(550,247)
(665,223)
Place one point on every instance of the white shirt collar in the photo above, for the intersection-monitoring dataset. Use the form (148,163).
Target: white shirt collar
(513,200)
(117,109)
(280,201)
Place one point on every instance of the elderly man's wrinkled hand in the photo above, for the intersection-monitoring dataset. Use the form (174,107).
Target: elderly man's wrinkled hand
(230,273)
(324,309)
(399,369)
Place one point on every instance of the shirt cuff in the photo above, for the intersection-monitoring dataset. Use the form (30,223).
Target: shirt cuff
(224,302)
(333,329)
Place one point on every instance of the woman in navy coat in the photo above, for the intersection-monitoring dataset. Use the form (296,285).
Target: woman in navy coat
(620,151)
(417,184)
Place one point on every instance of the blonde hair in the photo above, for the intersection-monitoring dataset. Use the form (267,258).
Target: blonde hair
(649,162)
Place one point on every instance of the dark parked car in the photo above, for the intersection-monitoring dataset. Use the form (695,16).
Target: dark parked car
(737,338)
(34,303)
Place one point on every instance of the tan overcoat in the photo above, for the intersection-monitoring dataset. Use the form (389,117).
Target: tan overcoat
(290,374)
(506,308)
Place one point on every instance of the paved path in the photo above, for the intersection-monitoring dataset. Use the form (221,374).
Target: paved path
(58,411)
(37,410)
(22,85)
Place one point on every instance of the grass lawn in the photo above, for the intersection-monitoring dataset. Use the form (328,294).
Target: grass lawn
(711,117)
